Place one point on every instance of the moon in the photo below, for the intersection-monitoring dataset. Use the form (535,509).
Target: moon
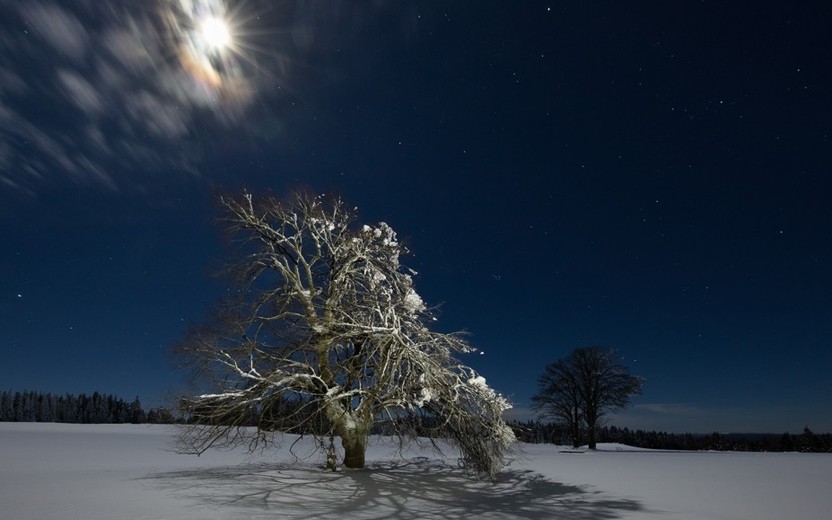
(215,33)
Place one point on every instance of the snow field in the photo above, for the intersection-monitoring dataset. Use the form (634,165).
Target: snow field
(98,472)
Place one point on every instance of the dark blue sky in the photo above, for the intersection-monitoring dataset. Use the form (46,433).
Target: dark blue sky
(649,176)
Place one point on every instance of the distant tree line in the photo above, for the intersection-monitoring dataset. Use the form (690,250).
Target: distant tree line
(537,432)
(79,409)
(107,409)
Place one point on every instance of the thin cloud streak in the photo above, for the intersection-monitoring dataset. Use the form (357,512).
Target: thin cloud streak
(688,418)
(99,96)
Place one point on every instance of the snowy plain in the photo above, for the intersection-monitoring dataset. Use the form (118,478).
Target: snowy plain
(98,472)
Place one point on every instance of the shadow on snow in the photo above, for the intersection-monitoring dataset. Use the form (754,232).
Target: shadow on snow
(414,489)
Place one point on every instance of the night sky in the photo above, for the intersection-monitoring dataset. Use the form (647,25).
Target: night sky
(649,176)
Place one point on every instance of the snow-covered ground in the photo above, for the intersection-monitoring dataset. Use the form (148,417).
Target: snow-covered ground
(98,472)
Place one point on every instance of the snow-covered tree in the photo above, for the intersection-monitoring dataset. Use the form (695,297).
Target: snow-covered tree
(326,334)
(582,387)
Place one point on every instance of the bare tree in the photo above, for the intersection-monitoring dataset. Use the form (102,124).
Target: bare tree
(582,387)
(559,398)
(327,335)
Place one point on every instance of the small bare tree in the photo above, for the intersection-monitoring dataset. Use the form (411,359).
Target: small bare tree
(581,387)
(326,335)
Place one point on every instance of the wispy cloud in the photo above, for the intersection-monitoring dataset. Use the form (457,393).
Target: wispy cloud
(667,409)
(100,93)
(519,413)
(687,418)
(81,92)
(58,27)
(11,82)
(113,94)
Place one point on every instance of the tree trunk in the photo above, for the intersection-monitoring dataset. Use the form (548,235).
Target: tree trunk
(591,435)
(355,446)
(575,434)
(354,429)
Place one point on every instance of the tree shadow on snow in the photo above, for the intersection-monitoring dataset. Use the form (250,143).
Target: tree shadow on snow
(414,489)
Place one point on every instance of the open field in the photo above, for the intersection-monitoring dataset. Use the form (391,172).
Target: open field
(98,472)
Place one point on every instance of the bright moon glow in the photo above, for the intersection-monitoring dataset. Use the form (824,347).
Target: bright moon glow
(215,32)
